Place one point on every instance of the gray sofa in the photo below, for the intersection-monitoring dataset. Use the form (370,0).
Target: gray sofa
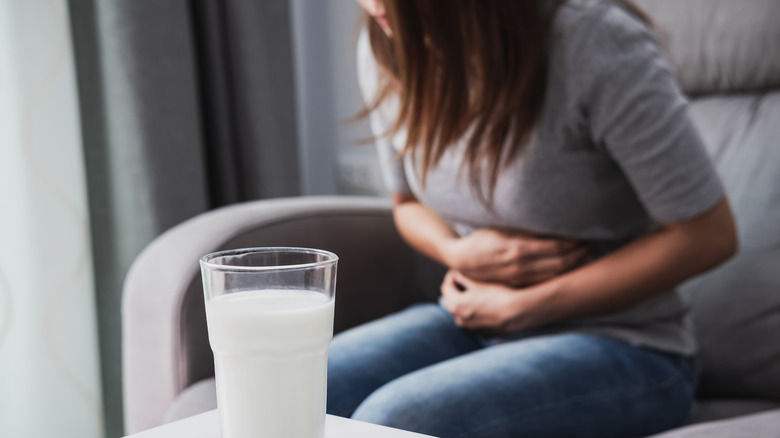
(727,56)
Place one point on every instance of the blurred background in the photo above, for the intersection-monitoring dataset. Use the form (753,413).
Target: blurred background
(122,118)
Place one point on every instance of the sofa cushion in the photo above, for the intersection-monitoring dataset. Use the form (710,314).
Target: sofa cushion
(736,308)
(720,45)
(764,425)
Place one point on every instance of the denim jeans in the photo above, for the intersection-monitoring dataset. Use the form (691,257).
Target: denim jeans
(416,370)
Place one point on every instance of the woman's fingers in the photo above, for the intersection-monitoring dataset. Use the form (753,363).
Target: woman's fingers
(460,280)
(512,257)
(522,273)
(547,268)
(533,248)
(454,300)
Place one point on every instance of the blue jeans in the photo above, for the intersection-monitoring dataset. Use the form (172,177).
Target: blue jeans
(416,370)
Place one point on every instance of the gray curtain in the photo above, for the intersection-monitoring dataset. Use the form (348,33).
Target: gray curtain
(186,106)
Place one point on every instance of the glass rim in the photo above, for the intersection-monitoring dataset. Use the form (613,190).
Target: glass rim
(206,260)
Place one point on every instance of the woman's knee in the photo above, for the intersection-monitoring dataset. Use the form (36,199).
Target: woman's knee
(399,404)
(363,359)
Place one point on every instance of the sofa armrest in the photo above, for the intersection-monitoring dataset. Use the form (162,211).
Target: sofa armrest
(165,345)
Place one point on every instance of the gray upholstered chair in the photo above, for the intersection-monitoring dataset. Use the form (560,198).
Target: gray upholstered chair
(727,56)
(168,365)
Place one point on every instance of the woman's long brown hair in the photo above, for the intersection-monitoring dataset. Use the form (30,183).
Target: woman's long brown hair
(465,69)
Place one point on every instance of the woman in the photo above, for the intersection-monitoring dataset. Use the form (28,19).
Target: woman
(541,150)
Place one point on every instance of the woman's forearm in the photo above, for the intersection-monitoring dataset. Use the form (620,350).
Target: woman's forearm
(638,271)
(422,228)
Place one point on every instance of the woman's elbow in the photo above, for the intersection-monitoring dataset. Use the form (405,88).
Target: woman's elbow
(721,238)
(710,239)
(726,245)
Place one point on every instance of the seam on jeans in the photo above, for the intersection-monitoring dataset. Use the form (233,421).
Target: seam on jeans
(671,381)
(636,391)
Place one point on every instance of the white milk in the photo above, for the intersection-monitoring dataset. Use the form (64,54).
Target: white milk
(270,354)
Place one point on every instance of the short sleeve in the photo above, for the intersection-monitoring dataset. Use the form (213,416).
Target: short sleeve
(635,111)
(391,164)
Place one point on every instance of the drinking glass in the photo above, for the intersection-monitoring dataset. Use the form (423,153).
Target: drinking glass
(270,321)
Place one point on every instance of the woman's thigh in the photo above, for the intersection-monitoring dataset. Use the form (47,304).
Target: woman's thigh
(569,385)
(364,358)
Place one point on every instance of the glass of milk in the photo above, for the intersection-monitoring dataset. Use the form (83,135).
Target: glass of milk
(270,321)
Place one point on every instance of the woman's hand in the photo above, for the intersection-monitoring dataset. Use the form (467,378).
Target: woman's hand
(491,255)
(478,305)
(512,257)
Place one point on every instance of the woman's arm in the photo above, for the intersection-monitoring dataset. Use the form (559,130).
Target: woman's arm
(645,267)
(422,228)
(503,256)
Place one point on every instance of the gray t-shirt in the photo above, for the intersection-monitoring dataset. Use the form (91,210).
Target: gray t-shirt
(613,155)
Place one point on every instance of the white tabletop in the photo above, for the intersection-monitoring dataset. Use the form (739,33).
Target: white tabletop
(206,425)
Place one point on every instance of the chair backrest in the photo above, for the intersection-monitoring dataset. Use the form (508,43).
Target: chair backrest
(727,57)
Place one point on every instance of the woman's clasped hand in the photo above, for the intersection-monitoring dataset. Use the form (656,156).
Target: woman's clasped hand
(491,268)
(513,258)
